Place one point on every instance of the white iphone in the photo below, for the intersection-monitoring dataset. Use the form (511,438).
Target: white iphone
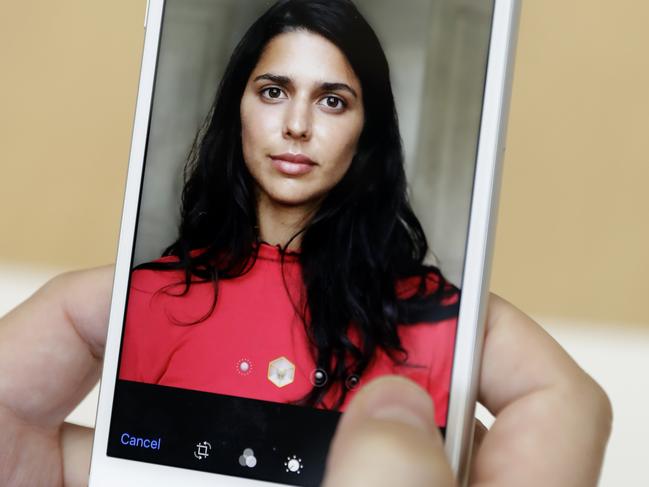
(310,205)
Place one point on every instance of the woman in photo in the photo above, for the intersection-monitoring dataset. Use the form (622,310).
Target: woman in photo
(299,267)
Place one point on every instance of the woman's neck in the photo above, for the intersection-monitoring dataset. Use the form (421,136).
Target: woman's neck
(279,223)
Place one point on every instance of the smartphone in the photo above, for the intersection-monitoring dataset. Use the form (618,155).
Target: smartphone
(310,205)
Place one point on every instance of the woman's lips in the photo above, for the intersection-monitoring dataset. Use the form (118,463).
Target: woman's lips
(292,164)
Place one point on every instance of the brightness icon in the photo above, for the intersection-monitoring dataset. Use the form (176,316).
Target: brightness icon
(293,464)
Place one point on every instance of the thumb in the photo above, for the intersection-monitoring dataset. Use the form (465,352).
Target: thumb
(388,437)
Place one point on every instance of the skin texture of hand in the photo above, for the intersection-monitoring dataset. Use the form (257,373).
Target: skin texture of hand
(51,348)
(552,419)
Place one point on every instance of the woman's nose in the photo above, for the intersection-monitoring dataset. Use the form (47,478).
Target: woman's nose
(298,120)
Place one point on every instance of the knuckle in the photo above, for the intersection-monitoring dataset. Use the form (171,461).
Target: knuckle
(602,406)
(60,281)
(593,401)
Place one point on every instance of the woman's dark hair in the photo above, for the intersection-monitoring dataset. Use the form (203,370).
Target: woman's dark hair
(362,240)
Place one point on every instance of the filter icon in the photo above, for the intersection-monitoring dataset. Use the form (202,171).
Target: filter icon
(248,459)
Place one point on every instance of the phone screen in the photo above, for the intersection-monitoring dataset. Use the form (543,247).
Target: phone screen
(301,228)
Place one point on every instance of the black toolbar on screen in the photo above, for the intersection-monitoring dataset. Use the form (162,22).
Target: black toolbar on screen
(222,434)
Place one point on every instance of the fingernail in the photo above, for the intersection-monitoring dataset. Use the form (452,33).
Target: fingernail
(398,399)
(402,414)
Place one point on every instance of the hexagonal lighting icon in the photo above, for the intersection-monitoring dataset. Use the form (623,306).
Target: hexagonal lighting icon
(281,371)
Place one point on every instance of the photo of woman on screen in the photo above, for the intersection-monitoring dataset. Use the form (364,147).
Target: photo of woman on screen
(299,267)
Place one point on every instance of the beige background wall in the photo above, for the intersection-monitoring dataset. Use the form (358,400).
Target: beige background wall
(67,98)
(573,238)
(573,235)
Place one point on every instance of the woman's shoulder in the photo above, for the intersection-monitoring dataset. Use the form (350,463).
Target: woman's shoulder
(158,295)
(152,276)
(427,297)
(429,282)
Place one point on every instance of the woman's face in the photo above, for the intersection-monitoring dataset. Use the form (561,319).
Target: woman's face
(301,117)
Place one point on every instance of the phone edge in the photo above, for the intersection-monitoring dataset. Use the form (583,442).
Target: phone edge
(481,235)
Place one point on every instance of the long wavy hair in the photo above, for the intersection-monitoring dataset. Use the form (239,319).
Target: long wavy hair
(361,241)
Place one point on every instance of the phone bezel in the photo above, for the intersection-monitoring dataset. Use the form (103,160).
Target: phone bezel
(482,225)
(106,471)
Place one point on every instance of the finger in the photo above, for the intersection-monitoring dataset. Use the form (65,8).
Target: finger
(51,346)
(76,444)
(479,433)
(388,437)
(552,420)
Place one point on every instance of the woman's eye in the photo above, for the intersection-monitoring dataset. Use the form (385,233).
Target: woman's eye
(333,102)
(272,93)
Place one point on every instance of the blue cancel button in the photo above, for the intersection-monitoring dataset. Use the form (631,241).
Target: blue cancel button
(139,442)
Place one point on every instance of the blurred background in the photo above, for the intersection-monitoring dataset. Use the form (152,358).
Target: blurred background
(572,238)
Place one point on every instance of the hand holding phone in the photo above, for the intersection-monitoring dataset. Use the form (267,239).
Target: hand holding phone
(552,420)
(327,233)
(333,225)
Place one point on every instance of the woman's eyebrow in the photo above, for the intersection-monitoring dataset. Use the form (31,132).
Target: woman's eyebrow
(324,86)
(338,86)
(275,78)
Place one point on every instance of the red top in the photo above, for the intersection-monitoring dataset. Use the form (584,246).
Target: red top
(254,323)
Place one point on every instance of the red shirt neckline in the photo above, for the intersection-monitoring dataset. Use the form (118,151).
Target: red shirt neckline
(275,252)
